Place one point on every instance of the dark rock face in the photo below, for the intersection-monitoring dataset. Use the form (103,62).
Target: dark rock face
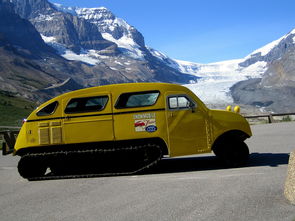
(284,46)
(71,31)
(281,72)
(20,48)
(272,99)
(21,33)
(75,33)
(32,8)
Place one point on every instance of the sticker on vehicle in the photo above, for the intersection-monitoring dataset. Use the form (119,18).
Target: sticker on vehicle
(143,124)
(151,128)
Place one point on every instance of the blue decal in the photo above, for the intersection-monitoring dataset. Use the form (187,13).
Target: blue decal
(151,128)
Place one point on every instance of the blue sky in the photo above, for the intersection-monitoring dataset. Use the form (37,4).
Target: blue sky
(203,31)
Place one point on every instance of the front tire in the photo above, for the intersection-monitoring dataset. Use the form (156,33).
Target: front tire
(233,153)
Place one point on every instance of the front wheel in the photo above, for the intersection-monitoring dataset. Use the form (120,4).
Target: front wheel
(233,153)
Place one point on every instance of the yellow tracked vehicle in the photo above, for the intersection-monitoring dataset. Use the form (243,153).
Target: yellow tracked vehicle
(124,128)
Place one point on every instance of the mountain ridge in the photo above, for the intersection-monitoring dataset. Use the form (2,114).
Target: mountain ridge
(73,37)
(91,47)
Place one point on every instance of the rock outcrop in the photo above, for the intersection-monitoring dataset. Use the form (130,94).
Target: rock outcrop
(290,181)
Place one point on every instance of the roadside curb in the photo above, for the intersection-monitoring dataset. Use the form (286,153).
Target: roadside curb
(290,181)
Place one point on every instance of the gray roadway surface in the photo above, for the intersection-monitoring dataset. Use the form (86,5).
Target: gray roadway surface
(190,188)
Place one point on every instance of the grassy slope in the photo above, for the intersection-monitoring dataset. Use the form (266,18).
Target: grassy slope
(13,109)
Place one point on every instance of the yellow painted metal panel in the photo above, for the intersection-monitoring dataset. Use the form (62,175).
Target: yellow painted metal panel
(88,129)
(56,135)
(55,123)
(42,124)
(43,135)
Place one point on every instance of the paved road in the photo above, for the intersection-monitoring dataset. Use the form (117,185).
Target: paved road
(191,188)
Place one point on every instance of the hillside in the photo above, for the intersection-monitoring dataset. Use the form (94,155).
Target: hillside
(14,109)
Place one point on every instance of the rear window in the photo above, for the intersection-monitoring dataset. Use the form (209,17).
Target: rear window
(86,104)
(138,99)
(48,110)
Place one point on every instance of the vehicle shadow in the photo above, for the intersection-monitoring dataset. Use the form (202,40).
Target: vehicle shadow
(197,163)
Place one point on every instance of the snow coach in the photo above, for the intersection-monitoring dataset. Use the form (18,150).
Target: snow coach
(123,129)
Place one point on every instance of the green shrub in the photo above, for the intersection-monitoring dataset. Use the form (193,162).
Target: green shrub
(287,118)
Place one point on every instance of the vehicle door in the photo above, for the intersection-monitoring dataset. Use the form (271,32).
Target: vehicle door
(88,118)
(186,125)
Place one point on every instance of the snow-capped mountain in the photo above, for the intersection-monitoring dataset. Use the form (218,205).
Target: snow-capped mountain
(96,47)
(260,80)
(275,90)
(215,79)
(127,38)
(77,35)
(115,30)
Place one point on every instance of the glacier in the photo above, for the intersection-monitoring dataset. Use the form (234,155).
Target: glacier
(214,79)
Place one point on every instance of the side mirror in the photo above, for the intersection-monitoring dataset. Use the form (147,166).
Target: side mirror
(192,107)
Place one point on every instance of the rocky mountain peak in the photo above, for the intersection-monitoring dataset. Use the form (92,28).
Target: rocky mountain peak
(108,23)
(273,91)
(69,30)
(32,8)
(271,51)
(95,14)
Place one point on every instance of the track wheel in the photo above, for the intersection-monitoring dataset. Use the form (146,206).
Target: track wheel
(233,153)
(29,167)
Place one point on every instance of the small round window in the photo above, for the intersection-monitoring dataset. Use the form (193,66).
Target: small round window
(48,110)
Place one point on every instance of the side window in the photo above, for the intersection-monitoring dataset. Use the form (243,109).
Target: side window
(48,110)
(138,99)
(179,102)
(173,104)
(86,104)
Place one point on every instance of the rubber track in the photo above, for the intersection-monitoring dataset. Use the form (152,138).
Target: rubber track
(92,151)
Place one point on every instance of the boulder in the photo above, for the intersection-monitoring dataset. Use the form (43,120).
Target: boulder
(290,181)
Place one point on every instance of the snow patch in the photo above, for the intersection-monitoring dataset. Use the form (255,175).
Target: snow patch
(84,57)
(87,56)
(65,9)
(212,91)
(48,39)
(127,45)
(43,17)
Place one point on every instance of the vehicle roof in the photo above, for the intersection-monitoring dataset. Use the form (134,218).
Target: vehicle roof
(125,87)
(117,89)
